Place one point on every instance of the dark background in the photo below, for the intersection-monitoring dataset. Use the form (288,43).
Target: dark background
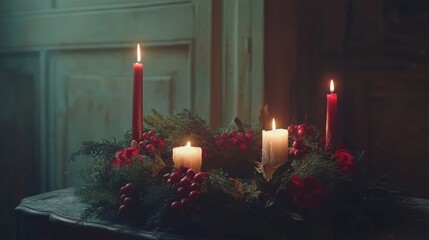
(377,53)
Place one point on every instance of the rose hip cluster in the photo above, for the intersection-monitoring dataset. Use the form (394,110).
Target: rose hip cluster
(187,185)
(150,142)
(298,132)
(128,195)
(237,138)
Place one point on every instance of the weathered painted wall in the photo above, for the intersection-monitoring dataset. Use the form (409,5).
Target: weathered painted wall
(75,58)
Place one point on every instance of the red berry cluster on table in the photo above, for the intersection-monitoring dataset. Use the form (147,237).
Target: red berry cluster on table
(298,133)
(128,196)
(187,185)
(150,142)
(234,138)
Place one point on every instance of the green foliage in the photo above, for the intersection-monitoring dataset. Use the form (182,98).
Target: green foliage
(101,151)
(238,189)
(181,127)
(237,201)
(317,164)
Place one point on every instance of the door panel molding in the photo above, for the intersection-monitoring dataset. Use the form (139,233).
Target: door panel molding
(97,27)
(242,59)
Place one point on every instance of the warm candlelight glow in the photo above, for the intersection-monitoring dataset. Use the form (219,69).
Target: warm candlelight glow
(331,119)
(188,156)
(138,53)
(275,146)
(137,117)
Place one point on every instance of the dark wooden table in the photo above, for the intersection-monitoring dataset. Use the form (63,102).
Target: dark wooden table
(56,214)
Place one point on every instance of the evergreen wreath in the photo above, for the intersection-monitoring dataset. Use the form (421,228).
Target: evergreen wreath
(314,195)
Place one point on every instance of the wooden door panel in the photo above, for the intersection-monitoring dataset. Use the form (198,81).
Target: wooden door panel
(93,95)
(10,6)
(90,3)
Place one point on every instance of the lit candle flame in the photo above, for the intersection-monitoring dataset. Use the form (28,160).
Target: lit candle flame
(332,86)
(188,144)
(138,53)
(274,124)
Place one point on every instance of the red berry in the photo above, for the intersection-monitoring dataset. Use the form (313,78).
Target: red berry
(232,133)
(244,146)
(142,144)
(123,196)
(169,182)
(128,201)
(176,206)
(291,129)
(302,126)
(297,144)
(181,191)
(218,143)
(161,146)
(217,137)
(152,133)
(195,186)
(128,188)
(145,135)
(239,136)
(199,177)
(166,176)
(292,153)
(175,177)
(248,136)
(153,139)
(185,202)
(193,195)
(301,132)
(160,141)
(122,190)
(224,136)
(185,182)
(123,210)
(150,148)
(190,173)
(298,153)
(233,140)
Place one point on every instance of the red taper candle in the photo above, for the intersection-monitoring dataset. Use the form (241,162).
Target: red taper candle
(331,119)
(137,121)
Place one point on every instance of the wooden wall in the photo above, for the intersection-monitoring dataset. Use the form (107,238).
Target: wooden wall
(377,53)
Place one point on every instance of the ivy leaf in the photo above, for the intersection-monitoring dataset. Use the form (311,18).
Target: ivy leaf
(260,181)
(296,216)
(282,169)
(239,124)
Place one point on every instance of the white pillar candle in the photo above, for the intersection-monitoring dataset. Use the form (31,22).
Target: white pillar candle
(275,146)
(187,156)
